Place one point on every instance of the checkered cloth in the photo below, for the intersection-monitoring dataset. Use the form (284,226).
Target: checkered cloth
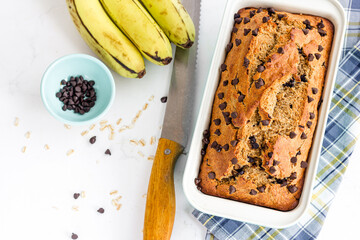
(342,131)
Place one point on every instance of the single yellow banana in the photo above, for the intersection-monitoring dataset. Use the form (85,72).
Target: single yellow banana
(105,39)
(136,23)
(173,19)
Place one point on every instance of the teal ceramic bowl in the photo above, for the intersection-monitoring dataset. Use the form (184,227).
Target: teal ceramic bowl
(75,65)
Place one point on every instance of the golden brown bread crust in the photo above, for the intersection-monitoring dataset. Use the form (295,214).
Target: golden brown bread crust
(265,108)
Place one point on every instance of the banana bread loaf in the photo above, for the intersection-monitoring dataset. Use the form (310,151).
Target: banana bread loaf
(266,107)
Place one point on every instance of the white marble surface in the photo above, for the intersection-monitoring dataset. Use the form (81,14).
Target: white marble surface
(37,186)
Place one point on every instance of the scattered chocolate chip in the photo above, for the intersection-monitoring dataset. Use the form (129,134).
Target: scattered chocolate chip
(320,48)
(211,175)
(292,135)
(241,97)
(223,67)
(217,132)
(270,154)
(107,152)
(293,175)
(197,181)
(292,188)
(259,83)
(314,90)
(293,160)
(225,147)
(265,19)
(271,11)
(303,78)
(265,122)
(246,31)
(320,24)
(217,121)
(234,114)
(233,143)
(318,56)
(310,99)
(275,162)
(322,32)
(280,50)
(308,124)
(255,32)
(232,189)
(237,42)
(76,195)
(225,83)
(303,136)
(310,57)
(234,81)
(260,68)
(221,95)
(305,31)
(163,99)
(223,105)
(92,140)
(312,115)
(261,189)
(303,164)
(246,62)
(228,47)
(281,16)
(74,236)
(253,192)
(101,210)
(246,20)
(238,20)
(272,170)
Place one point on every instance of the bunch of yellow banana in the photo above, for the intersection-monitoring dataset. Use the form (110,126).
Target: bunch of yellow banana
(119,31)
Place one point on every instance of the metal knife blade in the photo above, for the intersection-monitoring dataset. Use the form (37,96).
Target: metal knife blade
(178,115)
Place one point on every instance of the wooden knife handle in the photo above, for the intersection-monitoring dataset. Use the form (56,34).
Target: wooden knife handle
(160,201)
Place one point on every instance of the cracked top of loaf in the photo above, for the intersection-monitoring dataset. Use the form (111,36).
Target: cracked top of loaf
(266,107)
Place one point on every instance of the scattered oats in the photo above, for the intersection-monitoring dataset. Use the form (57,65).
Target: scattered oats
(23,149)
(75,208)
(67,126)
(103,122)
(56,208)
(84,133)
(111,136)
(118,207)
(111,127)
(113,192)
(118,121)
(122,129)
(136,117)
(144,195)
(103,127)
(152,140)
(27,135)
(130,126)
(16,122)
(151,158)
(142,142)
(82,194)
(145,106)
(141,154)
(92,126)
(151,98)
(118,198)
(46,147)
(71,151)
(113,202)
(134,142)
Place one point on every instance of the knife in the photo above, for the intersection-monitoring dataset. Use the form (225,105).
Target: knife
(160,202)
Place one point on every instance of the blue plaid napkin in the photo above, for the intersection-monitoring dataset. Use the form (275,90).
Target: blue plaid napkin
(342,131)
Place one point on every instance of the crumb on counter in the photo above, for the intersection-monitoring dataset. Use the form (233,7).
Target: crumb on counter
(27,134)
(151,157)
(152,140)
(46,147)
(23,149)
(71,151)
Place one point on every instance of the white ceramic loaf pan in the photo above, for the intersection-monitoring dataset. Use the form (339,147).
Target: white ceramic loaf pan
(231,209)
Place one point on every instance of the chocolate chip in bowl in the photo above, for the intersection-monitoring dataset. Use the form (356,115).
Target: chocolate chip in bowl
(77,89)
